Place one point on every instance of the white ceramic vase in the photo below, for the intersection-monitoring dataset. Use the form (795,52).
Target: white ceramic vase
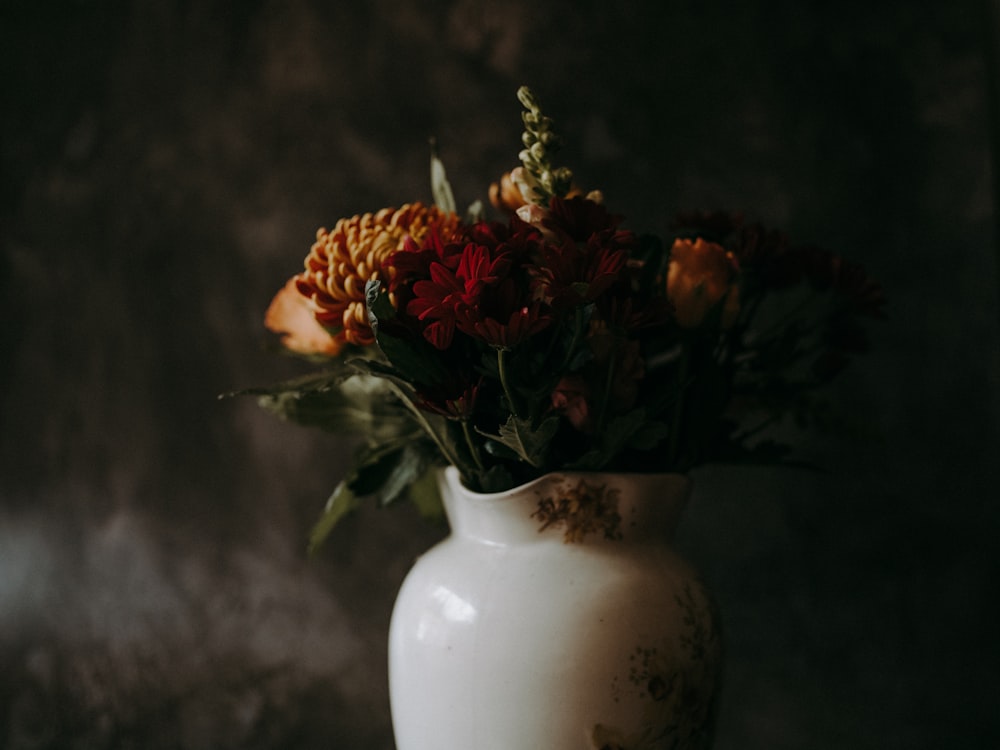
(555,616)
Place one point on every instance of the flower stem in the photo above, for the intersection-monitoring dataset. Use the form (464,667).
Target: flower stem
(609,379)
(442,444)
(502,367)
(473,448)
(577,333)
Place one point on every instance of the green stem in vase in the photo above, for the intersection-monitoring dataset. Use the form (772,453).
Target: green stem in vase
(426,426)
(502,368)
(473,448)
(609,379)
(577,335)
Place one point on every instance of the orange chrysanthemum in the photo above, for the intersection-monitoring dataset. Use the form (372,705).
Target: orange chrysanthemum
(346,258)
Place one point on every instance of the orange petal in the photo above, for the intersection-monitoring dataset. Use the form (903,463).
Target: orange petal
(289,315)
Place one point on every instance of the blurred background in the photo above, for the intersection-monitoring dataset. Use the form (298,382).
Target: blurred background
(164,169)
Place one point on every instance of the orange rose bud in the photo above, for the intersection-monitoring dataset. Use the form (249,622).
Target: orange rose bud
(290,315)
(701,274)
(506,195)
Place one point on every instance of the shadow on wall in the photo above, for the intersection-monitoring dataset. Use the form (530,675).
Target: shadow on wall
(164,171)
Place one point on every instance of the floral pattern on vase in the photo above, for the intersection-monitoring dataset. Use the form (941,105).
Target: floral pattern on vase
(680,700)
(581,509)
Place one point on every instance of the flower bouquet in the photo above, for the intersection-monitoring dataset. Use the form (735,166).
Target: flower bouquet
(553,337)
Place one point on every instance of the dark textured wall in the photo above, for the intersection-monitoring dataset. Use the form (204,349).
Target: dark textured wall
(164,167)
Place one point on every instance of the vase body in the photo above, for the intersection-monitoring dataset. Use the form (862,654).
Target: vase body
(555,616)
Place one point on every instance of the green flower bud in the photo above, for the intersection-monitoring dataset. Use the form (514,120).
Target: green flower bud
(526,98)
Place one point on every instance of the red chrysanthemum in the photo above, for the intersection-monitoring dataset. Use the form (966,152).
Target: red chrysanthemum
(586,254)
(571,275)
(578,219)
(459,407)
(506,330)
(480,286)
(448,299)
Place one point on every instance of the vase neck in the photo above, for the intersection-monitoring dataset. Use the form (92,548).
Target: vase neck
(575,507)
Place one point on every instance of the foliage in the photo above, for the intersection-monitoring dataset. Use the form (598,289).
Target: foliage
(556,338)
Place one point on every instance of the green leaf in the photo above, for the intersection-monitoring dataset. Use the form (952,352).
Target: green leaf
(648,435)
(620,429)
(315,382)
(341,503)
(529,443)
(632,430)
(441,190)
(411,464)
(496,479)
(433,425)
(653,257)
(376,461)
(475,213)
(499,450)
(378,304)
(402,388)
(426,496)
(409,355)
(341,402)
(593,460)
(384,372)
(383,469)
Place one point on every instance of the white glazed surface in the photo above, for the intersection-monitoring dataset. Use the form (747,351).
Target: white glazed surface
(507,638)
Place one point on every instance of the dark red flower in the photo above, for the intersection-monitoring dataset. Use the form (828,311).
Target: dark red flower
(578,219)
(507,331)
(479,265)
(438,301)
(479,286)
(585,255)
(518,237)
(571,275)
(768,254)
(826,270)
(449,299)
(414,260)
(461,406)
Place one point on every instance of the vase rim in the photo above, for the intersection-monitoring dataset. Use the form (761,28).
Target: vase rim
(455,476)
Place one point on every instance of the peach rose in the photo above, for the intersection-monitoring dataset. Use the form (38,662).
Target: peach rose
(290,315)
(701,274)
